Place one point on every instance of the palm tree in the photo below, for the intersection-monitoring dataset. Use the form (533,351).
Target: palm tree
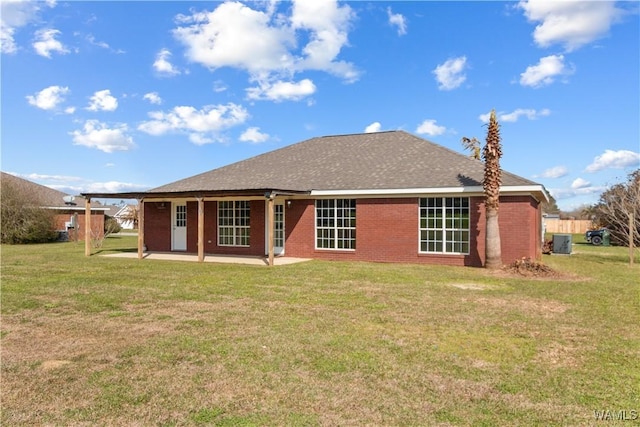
(473,145)
(491,154)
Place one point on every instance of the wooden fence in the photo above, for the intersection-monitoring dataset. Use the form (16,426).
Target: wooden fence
(568,226)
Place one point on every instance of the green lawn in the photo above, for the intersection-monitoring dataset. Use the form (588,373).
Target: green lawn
(101,341)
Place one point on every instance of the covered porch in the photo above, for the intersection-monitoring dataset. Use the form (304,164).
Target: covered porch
(271,198)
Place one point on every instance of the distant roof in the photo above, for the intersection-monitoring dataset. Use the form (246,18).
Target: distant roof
(43,195)
(368,161)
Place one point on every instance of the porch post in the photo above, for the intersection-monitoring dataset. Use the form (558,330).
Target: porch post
(271,203)
(200,229)
(87,227)
(140,228)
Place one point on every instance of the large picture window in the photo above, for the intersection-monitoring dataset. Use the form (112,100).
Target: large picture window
(233,223)
(336,224)
(444,225)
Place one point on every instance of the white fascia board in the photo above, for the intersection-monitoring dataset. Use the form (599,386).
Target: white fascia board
(520,189)
(73,208)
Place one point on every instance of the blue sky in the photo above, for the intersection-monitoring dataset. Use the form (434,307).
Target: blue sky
(127,96)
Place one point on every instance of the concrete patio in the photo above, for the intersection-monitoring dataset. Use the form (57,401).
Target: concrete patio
(225,259)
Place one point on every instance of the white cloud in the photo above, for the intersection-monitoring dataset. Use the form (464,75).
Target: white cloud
(153,98)
(95,134)
(450,74)
(104,45)
(326,25)
(200,139)
(162,64)
(373,127)
(103,101)
(570,23)
(60,178)
(545,72)
(267,45)
(235,35)
(46,43)
(555,172)
(611,159)
(254,135)
(112,187)
(580,183)
(567,193)
(281,90)
(529,113)
(200,125)
(513,116)
(15,15)
(219,86)
(48,98)
(429,127)
(398,20)
(7,42)
(70,110)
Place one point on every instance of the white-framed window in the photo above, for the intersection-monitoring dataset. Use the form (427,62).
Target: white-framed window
(233,223)
(181,216)
(444,225)
(336,224)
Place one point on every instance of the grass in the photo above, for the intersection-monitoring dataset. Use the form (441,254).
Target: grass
(101,341)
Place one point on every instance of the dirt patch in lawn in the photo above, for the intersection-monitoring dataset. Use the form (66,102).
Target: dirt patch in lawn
(538,307)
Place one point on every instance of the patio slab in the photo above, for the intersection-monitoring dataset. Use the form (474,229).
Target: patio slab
(227,259)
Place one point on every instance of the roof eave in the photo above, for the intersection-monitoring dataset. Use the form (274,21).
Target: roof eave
(514,189)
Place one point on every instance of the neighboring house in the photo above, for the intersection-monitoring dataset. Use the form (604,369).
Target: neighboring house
(124,217)
(386,197)
(69,210)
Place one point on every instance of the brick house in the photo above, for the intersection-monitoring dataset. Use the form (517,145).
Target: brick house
(384,197)
(69,212)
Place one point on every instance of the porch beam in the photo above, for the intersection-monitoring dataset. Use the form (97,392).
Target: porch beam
(271,228)
(140,228)
(200,229)
(87,227)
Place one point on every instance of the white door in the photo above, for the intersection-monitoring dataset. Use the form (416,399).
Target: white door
(179,227)
(278,225)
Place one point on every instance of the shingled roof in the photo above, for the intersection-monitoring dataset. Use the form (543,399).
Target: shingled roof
(45,196)
(368,161)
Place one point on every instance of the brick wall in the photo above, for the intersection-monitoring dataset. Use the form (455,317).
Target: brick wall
(387,231)
(97,224)
(520,233)
(157,226)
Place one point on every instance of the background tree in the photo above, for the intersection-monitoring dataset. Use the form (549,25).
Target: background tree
(618,209)
(22,219)
(551,207)
(491,154)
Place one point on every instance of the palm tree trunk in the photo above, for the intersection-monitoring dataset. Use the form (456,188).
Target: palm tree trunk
(493,252)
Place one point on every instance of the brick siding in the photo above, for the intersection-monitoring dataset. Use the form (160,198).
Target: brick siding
(386,231)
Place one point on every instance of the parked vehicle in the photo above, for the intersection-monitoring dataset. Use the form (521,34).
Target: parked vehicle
(597,237)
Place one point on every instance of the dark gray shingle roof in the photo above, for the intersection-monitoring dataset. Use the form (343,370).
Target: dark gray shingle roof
(369,161)
(43,195)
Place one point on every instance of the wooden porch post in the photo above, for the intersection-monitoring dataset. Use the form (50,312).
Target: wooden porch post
(271,204)
(140,228)
(200,229)
(87,227)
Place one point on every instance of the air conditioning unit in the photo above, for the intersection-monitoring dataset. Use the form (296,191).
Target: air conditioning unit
(562,244)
